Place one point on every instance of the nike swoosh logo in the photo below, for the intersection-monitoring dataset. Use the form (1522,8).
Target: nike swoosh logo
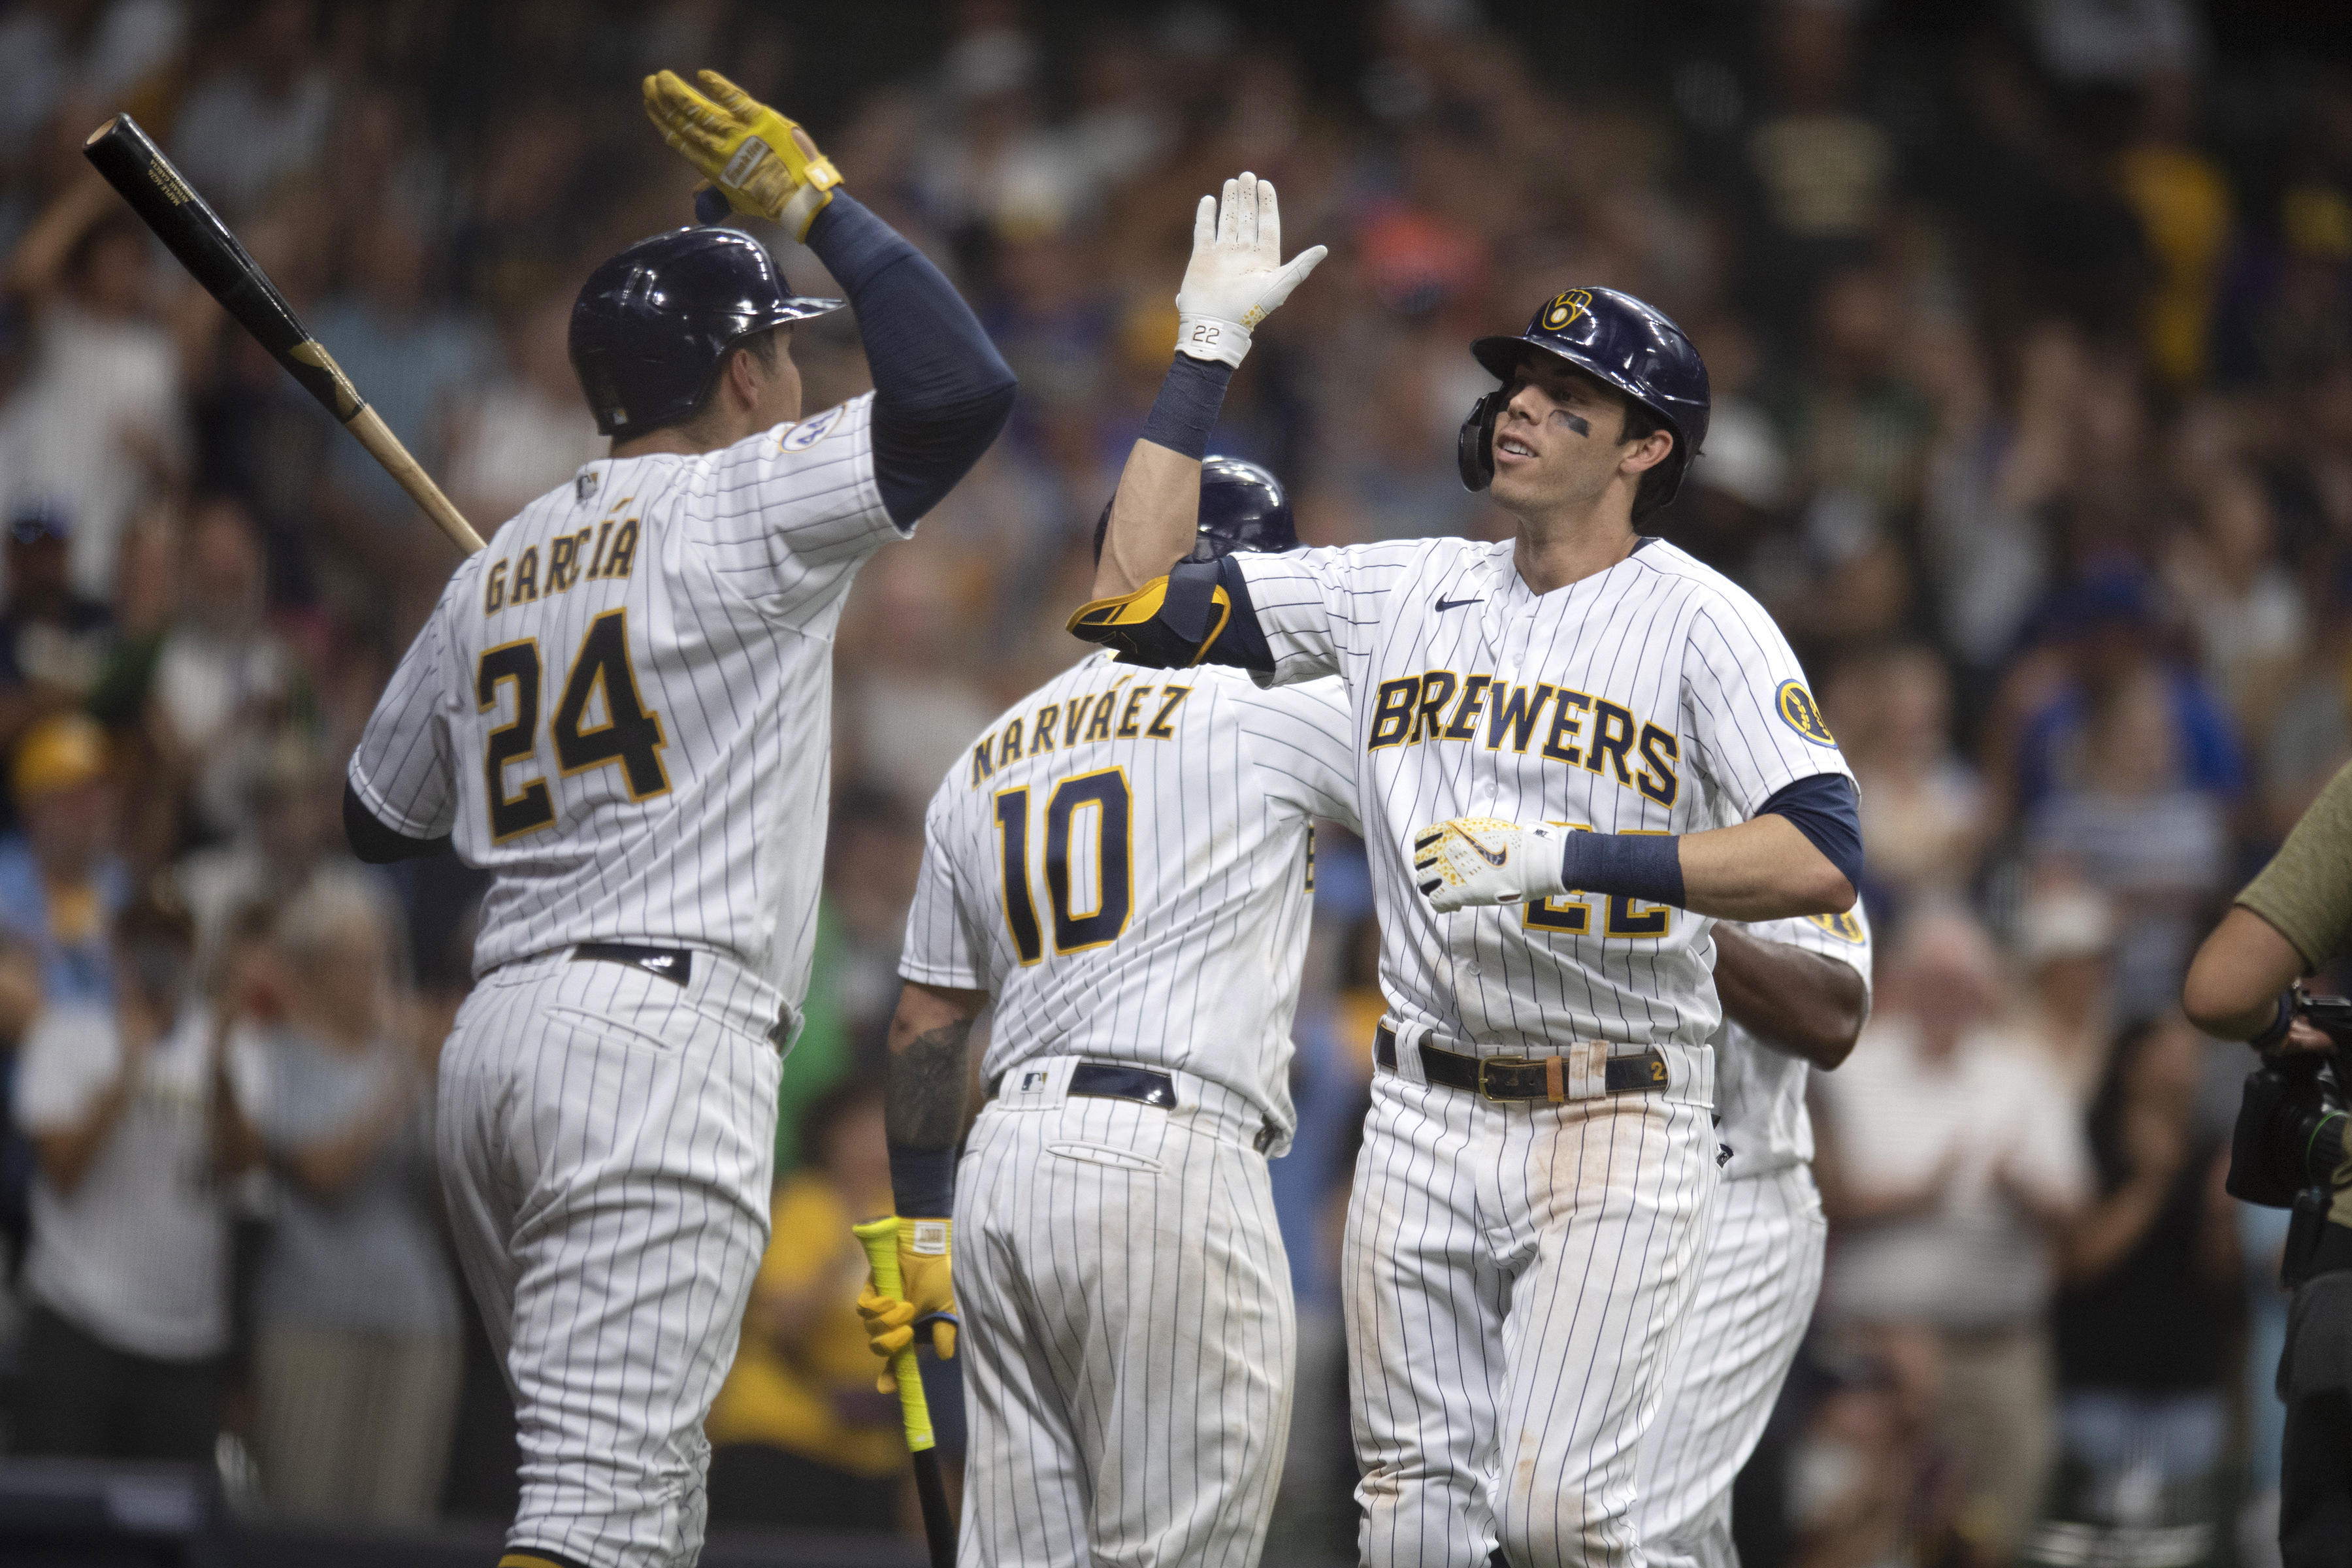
(1492,858)
(1443,604)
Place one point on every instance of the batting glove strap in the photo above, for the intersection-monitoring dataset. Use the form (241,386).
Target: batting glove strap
(1645,865)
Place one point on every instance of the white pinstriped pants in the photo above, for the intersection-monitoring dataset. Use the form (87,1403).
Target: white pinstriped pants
(1740,1333)
(1515,1277)
(1128,1333)
(606,1140)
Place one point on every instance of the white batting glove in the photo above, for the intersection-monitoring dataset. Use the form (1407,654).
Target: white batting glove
(1236,277)
(1467,860)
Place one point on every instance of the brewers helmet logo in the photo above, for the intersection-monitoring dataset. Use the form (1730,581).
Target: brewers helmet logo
(1800,712)
(1565,309)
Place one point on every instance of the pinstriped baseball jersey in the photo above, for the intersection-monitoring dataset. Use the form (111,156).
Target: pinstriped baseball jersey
(1126,859)
(1654,697)
(1759,1092)
(623,706)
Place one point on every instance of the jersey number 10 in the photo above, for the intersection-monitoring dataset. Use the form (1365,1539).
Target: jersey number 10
(1084,915)
(629,736)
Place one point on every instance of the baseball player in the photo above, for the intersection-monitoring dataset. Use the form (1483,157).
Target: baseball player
(1589,729)
(622,708)
(1126,863)
(1795,992)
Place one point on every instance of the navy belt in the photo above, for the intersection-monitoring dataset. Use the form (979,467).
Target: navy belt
(1106,1081)
(675,965)
(1521,1077)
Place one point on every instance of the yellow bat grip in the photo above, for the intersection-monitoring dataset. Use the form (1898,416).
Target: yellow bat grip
(881,1239)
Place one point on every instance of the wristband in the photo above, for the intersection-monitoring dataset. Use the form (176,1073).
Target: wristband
(922,1182)
(1212,338)
(1646,866)
(2275,1030)
(1186,409)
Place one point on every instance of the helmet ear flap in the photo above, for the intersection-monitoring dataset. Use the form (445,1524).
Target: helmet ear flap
(1474,450)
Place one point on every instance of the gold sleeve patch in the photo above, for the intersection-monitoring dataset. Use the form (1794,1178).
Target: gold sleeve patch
(1802,714)
(1844,927)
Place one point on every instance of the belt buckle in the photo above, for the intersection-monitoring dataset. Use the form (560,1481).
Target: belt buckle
(1485,1062)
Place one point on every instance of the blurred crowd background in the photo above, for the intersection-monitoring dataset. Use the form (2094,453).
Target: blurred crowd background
(2031,332)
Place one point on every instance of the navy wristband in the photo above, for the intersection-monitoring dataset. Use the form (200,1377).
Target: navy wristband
(1646,866)
(1186,409)
(922,1183)
(2276,1029)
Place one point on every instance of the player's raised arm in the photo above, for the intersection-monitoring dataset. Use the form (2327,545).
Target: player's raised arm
(1236,280)
(942,392)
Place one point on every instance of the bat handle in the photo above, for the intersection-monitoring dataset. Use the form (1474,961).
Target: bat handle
(385,448)
(880,1238)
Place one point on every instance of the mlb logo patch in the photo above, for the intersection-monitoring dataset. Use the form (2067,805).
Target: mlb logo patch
(1032,1083)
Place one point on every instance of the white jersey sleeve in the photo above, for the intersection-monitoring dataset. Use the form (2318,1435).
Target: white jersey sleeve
(789,512)
(1317,608)
(401,769)
(1753,723)
(944,945)
(1760,1089)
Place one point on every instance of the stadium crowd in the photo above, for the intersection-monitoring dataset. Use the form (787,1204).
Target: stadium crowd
(2030,335)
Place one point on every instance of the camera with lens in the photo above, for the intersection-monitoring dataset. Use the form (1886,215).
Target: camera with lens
(2292,1124)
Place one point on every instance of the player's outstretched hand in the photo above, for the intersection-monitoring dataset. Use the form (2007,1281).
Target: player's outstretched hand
(1236,277)
(1467,860)
(764,165)
(927,1292)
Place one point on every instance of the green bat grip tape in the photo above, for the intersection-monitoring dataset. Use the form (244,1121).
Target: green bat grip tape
(880,1238)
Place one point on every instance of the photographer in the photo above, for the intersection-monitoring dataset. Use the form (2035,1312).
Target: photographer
(2288,1150)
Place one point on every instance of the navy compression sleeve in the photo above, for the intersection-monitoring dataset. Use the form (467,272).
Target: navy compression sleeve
(376,844)
(1826,811)
(942,392)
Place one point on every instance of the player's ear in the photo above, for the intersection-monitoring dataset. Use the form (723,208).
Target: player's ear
(1647,453)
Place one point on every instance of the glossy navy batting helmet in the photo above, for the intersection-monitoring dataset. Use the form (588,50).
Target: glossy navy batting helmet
(1241,507)
(1632,346)
(651,324)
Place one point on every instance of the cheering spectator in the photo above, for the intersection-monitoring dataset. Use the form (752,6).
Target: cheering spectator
(799,1435)
(359,1351)
(222,679)
(2147,1269)
(1953,1170)
(99,421)
(130,1110)
(60,882)
(265,117)
(2065,945)
(527,433)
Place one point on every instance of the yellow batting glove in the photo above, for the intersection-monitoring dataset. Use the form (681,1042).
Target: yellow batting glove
(925,1256)
(764,165)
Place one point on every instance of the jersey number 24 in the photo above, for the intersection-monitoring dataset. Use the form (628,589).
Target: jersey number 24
(629,736)
(1088,911)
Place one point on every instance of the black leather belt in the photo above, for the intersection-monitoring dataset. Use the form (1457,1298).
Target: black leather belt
(675,965)
(1522,1077)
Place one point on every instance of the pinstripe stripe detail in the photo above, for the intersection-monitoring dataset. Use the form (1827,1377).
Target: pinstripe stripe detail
(1130,1339)
(606,1142)
(1739,1335)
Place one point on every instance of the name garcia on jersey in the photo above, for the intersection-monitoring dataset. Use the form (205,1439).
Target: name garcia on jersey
(571,558)
(1586,732)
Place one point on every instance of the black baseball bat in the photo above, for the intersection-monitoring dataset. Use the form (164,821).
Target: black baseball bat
(190,230)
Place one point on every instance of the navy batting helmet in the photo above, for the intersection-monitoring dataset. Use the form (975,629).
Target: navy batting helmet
(1632,346)
(1241,507)
(651,324)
